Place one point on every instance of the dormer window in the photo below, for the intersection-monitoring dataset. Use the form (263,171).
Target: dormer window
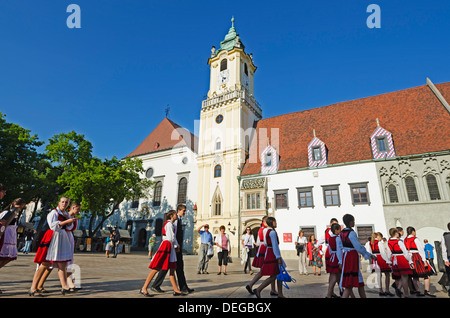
(269,160)
(382,144)
(317,153)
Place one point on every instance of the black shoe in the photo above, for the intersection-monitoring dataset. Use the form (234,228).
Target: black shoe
(187,290)
(249,289)
(255,291)
(179,294)
(381,294)
(273,293)
(145,294)
(427,293)
(157,290)
(35,293)
(389,294)
(66,291)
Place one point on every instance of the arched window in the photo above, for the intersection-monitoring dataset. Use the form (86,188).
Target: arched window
(182,190)
(157,194)
(223,65)
(217,204)
(411,189)
(217,171)
(433,187)
(392,191)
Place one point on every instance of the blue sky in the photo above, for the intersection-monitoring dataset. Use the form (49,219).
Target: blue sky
(112,79)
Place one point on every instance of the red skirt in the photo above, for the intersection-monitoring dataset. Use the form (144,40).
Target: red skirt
(258,260)
(161,259)
(270,264)
(331,263)
(381,265)
(419,267)
(350,270)
(400,266)
(43,245)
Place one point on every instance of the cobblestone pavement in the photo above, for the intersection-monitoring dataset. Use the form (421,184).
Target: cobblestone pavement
(123,276)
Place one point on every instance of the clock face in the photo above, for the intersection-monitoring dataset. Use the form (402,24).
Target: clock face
(223,77)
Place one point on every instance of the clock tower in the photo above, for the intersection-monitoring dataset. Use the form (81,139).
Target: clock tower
(227,119)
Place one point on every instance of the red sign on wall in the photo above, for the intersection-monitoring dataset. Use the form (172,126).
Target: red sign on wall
(287,237)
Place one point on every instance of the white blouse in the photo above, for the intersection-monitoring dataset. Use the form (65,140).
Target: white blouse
(53,222)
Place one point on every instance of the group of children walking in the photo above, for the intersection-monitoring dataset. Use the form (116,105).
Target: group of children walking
(404,260)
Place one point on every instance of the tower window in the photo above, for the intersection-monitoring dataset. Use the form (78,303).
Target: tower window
(219,119)
(223,65)
(217,171)
(245,69)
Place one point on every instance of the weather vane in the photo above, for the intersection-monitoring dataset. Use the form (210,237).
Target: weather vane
(167,110)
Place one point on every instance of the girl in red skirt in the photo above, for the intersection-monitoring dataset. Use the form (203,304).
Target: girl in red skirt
(272,258)
(380,264)
(400,259)
(259,259)
(165,258)
(422,268)
(351,274)
(332,262)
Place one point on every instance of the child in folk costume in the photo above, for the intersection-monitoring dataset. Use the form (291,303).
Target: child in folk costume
(165,258)
(73,211)
(272,258)
(422,268)
(351,273)
(54,248)
(8,241)
(332,262)
(381,265)
(259,259)
(324,239)
(401,262)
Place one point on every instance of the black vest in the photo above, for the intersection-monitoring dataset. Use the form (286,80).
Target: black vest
(447,243)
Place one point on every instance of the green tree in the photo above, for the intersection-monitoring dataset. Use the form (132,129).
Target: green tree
(101,185)
(19,161)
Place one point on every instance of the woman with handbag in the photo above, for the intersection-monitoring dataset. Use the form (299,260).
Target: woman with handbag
(224,249)
(300,245)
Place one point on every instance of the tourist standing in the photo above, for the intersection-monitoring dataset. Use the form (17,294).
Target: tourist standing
(248,242)
(151,245)
(224,249)
(206,240)
(301,247)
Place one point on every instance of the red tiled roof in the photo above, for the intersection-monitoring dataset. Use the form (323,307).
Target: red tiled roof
(165,136)
(418,121)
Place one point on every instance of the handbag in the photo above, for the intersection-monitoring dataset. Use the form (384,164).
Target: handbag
(284,277)
(210,251)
